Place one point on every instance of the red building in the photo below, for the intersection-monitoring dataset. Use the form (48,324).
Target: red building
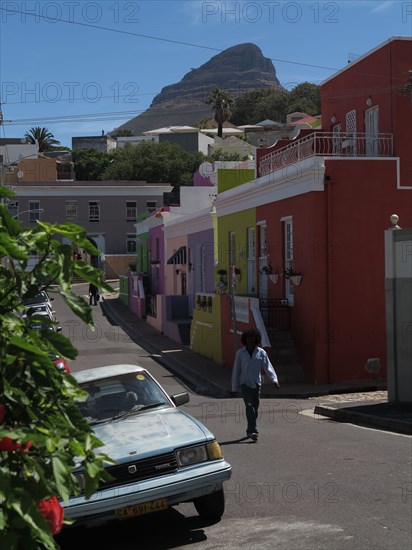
(331,227)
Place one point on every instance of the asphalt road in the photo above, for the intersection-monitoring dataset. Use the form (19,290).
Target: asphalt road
(308,484)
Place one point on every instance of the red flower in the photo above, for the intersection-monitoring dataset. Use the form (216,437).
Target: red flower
(53,513)
(26,449)
(2,412)
(7,444)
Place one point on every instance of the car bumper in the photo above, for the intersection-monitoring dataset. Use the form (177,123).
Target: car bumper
(182,486)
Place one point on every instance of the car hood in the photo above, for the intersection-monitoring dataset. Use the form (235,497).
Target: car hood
(150,433)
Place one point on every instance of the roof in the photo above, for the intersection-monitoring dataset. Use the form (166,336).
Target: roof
(171,130)
(368,53)
(225,131)
(98,373)
(306,120)
(268,122)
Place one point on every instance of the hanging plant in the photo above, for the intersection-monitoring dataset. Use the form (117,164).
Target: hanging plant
(289,272)
(267,269)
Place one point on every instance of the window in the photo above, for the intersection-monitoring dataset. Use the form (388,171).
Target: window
(94,211)
(131,245)
(14,209)
(151,206)
(71,211)
(34,208)
(131,211)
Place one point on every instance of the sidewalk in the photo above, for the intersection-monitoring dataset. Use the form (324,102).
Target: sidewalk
(367,399)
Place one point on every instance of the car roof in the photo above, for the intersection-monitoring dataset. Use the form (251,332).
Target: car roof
(89,375)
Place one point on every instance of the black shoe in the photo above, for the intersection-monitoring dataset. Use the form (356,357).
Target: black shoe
(254,436)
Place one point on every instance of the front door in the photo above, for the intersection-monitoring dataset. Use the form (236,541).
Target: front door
(251,260)
(371,131)
(288,237)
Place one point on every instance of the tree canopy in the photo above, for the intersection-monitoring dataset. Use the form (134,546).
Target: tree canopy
(222,102)
(260,104)
(153,162)
(89,164)
(43,435)
(45,139)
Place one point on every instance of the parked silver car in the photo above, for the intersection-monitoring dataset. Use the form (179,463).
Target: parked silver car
(164,455)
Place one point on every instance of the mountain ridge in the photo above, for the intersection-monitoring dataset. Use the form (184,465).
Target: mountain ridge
(237,69)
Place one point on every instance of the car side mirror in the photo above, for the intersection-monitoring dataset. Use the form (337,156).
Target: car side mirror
(180,398)
(59,329)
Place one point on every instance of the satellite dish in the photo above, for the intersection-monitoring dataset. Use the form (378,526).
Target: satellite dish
(206,169)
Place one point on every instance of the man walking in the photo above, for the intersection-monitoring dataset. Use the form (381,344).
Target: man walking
(93,293)
(246,376)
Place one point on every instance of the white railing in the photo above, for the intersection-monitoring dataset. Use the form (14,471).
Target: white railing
(327,144)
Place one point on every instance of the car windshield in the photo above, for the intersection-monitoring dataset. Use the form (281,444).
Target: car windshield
(40,297)
(119,396)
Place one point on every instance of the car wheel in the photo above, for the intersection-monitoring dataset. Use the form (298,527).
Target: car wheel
(212,506)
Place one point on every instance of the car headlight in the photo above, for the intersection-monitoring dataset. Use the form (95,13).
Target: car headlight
(201,453)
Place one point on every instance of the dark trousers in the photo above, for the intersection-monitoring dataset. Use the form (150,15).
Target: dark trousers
(251,398)
(93,298)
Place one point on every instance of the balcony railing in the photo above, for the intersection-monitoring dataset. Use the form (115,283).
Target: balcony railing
(328,144)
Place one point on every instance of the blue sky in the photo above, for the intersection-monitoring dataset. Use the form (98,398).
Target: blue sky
(80,67)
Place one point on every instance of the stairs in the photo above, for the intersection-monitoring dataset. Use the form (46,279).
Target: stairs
(285,358)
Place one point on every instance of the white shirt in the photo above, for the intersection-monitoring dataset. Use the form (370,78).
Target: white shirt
(247,370)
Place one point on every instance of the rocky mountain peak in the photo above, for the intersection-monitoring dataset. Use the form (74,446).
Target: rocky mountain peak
(237,70)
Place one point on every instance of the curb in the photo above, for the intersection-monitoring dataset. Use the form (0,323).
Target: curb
(346,415)
(195,382)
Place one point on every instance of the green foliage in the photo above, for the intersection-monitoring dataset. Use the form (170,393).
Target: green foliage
(222,102)
(44,137)
(257,105)
(43,435)
(89,164)
(153,162)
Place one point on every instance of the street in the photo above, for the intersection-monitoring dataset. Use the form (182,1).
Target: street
(308,484)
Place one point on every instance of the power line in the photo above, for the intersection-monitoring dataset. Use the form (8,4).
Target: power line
(150,37)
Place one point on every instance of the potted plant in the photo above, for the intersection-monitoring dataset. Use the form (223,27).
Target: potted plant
(268,270)
(294,276)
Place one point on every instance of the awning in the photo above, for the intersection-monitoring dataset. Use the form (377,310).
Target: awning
(179,257)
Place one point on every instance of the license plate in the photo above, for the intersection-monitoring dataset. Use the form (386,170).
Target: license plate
(140,509)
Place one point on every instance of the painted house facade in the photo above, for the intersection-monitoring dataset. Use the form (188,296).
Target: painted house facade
(298,243)
(332,194)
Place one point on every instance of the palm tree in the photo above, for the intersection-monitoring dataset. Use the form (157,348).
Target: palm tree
(222,103)
(44,138)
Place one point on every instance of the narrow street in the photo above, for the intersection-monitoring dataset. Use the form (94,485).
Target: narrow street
(308,484)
